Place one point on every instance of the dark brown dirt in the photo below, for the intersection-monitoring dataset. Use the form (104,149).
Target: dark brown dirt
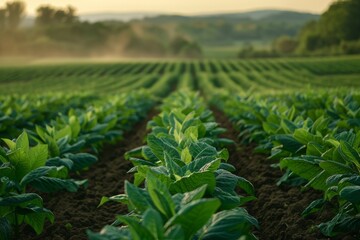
(278,209)
(77,212)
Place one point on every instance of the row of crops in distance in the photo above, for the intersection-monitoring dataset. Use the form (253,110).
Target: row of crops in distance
(251,76)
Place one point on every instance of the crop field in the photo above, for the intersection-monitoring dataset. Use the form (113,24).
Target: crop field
(197,149)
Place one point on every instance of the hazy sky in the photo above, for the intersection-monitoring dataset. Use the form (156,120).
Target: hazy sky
(180,6)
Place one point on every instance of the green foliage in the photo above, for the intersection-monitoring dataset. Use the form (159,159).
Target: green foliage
(189,216)
(336,31)
(188,193)
(315,138)
(44,160)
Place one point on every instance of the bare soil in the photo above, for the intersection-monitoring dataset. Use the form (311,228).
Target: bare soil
(77,212)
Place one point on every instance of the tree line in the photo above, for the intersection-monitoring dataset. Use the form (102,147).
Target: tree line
(337,32)
(59,32)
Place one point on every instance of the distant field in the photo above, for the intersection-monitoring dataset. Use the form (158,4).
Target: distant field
(240,76)
(231,51)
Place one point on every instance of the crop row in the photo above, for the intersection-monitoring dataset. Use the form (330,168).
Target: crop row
(316,139)
(315,66)
(249,76)
(43,156)
(190,192)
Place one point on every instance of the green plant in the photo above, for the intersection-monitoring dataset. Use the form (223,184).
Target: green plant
(159,215)
(22,166)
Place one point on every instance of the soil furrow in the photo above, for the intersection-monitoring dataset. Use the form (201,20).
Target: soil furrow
(77,212)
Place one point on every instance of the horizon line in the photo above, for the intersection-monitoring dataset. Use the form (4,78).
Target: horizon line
(193,14)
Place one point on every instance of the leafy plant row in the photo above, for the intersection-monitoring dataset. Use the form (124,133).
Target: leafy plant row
(183,187)
(316,138)
(42,158)
(245,77)
(25,111)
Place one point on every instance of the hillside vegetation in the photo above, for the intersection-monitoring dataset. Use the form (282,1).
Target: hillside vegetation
(60,32)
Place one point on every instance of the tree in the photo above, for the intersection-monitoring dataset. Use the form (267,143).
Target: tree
(48,15)
(339,24)
(15,13)
(60,16)
(191,50)
(44,15)
(71,15)
(341,21)
(177,44)
(285,45)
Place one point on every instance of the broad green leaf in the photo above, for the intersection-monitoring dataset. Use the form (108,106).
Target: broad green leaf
(38,156)
(229,224)
(227,167)
(192,133)
(121,198)
(333,167)
(288,126)
(20,199)
(11,145)
(160,195)
(148,154)
(327,227)
(57,162)
(174,169)
(245,185)
(349,153)
(200,150)
(288,142)
(50,184)
(36,218)
(211,166)
(139,162)
(160,145)
(193,195)
(175,232)
(306,169)
(36,173)
(153,222)
(228,182)
(314,206)
(138,198)
(110,232)
(21,162)
(229,199)
(138,232)
(65,132)
(224,154)
(315,149)
(194,216)
(351,194)
(5,229)
(193,181)
(303,136)
(7,171)
(186,156)
(22,142)
(135,153)
(81,160)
